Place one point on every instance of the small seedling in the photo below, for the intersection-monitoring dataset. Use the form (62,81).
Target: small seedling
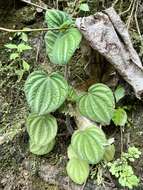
(19,64)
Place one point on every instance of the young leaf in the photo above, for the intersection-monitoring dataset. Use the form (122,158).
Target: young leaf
(119,93)
(78,170)
(25,65)
(41,129)
(89,143)
(109,153)
(24,37)
(120,117)
(20,73)
(133,152)
(23,47)
(84,7)
(11,46)
(61,44)
(45,93)
(97,104)
(13,56)
(41,150)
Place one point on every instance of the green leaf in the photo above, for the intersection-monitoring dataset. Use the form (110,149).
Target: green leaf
(134,181)
(133,153)
(23,47)
(41,150)
(24,37)
(84,7)
(55,18)
(129,181)
(45,93)
(78,170)
(61,44)
(13,56)
(41,128)
(89,143)
(119,93)
(109,153)
(71,153)
(11,46)
(20,73)
(97,104)
(120,117)
(25,65)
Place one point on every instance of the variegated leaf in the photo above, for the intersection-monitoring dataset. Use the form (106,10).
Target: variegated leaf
(61,44)
(41,150)
(71,153)
(45,93)
(78,170)
(89,144)
(55,18)
(109,153)
(97,104)
(41,128)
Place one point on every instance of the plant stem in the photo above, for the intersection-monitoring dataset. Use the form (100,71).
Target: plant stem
(131,15)
(127,10)
(68,123)
(114,3)
(28,29)
(137,24)
(121,133)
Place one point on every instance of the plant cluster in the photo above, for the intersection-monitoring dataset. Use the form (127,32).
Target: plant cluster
(16,55)
(47,92)
(121,169)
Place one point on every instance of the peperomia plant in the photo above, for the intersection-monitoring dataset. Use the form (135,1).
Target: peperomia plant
(47,92)
(120,116)
(61,42)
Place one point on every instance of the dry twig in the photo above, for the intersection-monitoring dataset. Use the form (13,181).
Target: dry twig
(136,21)
(129,8)
(131,15)
(33,4)
(27,29)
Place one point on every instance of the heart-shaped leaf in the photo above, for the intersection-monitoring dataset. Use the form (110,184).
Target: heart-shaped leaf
(120,117)
(55,18)
(41,150)
(78,170)
(97,104)
(45,93)
(109,153)
(71,153)
(61,44)
(119,93)
(41,128)
(89,144)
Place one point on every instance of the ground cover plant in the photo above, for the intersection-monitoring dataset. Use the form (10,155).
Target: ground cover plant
(68,90)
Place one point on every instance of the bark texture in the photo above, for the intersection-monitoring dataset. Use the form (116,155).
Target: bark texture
(108,35)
